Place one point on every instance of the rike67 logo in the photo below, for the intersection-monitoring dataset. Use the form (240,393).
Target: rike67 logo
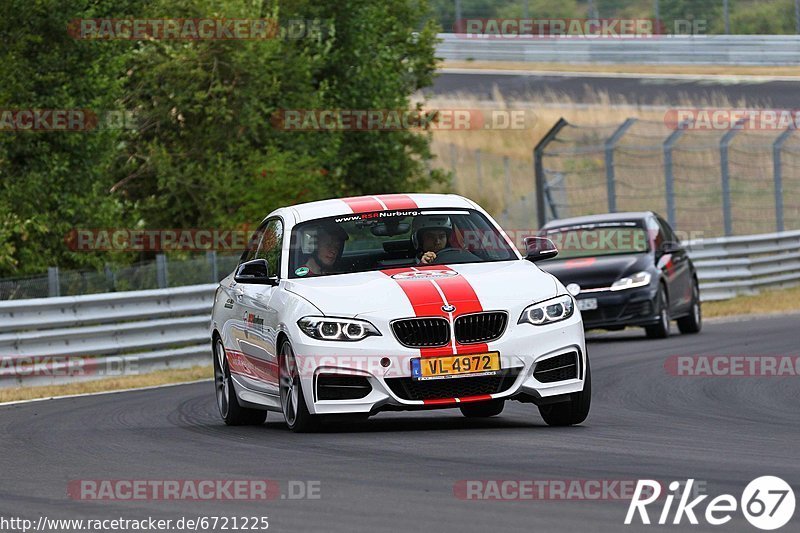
(767,503)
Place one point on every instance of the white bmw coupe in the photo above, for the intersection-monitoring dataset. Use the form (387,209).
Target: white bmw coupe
(394,302)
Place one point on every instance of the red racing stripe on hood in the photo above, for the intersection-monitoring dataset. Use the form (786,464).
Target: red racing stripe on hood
(426,300)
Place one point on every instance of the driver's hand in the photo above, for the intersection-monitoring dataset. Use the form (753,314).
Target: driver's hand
(428,258)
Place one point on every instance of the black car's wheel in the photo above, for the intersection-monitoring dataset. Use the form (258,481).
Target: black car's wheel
(661,329)
(232,413)
(293,404)
(575,410)
(693,322)
(482,409)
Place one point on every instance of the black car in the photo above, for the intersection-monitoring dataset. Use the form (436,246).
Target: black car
(626,269)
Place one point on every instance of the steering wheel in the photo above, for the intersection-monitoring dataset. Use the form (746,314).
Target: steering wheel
(450,255)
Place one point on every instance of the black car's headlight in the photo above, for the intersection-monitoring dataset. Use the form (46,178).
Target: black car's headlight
(640,279)
(549,311)
(336,329)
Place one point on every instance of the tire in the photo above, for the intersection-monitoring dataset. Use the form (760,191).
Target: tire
(575,410)
(229,409)
(660,330)
(293,404)
(693,322)
(483,409)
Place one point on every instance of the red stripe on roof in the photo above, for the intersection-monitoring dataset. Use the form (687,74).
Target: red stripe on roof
(363,204)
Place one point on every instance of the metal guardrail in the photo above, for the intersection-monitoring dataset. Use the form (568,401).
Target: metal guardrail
(54,340)
(731,266)
(168,328)
(671,49)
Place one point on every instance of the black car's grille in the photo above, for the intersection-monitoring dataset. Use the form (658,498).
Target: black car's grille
(422,332)
(339,387)
(558,368)
(437,389)
(618,312)
(480,327)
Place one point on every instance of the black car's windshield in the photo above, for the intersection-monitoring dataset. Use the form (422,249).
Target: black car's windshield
(592,240)
(391,239)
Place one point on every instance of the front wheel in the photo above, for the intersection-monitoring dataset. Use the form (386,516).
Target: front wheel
(293,404)
(693,322)
(232,413)
(575,410)
(661,329)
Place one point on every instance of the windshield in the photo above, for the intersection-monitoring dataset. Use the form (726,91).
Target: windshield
(592,240)
(391,239)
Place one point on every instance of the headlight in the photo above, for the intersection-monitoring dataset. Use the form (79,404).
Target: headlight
(640,279)
(336,329)
(548,311)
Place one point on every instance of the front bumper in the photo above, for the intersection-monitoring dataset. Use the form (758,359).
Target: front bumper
(391,387)
(631,307)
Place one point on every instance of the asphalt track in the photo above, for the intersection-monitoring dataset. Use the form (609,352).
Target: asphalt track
(396,472)
(636,90)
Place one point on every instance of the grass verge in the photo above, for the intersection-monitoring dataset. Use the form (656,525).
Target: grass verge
(161,377)
(768,302)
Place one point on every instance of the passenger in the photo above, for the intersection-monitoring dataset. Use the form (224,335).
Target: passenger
(327,249)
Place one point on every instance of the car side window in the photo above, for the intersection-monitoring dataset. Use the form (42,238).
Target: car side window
(270,246)
(668,233)
(655,232)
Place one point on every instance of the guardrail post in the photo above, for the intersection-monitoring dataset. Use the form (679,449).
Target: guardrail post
(538,169)
(161,271)
(53,282)
(669,178)
(211,257)
(777,174)
(610,144)
(724,144)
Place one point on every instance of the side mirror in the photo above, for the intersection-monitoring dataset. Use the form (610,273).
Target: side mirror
(539,249)
(255,271)
(669,247)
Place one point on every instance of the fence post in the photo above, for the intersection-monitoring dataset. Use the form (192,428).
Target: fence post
(669,178)
(610,144)
(777,174)
(110,281)
(211,257)
(506,186)
(724,144)
(53,282)
(453,160)
(478,170)
(161,271)
(538,169)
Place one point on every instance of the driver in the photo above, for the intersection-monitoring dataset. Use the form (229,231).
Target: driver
(327,250)
(430,235)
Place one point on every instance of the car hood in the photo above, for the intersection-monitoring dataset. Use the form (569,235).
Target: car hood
(390,292)
(593,272)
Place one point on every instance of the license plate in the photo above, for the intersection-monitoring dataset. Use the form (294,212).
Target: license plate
(587,304)
(455,366)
